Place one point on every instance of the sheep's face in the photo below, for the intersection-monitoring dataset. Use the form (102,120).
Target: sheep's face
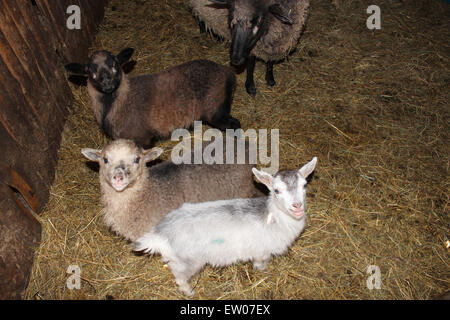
(121,162)
(246,19)
(248,22)
(288,188)
(104,70)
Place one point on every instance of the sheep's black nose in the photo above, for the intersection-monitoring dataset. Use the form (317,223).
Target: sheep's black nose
(237,61)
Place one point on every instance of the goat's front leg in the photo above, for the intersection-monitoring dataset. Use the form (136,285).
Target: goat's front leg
(250,83)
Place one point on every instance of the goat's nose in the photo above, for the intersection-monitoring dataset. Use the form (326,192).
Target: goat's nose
(297,205)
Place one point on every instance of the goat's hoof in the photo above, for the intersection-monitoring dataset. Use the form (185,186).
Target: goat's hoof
(187,290)
(260,265)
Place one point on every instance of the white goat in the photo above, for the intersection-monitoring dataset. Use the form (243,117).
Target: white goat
(224,232)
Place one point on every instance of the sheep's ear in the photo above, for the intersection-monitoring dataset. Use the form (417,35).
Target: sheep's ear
(92,154)
(77,68)
(308,168)
(125,55)
(152,154)
(264,177)
(278,13)
(221,2)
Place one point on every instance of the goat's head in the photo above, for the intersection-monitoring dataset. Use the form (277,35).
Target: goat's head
(288,188)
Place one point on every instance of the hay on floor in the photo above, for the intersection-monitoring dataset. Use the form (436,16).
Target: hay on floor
(372,105)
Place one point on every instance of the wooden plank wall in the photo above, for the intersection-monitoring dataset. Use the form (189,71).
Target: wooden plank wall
(35,44)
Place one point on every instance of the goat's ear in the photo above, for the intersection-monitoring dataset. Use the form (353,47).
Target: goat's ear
(308,168)
(125,55)
(278,13)
(221,2)
(77,68)
(152,154)
(92,154)
(263,177)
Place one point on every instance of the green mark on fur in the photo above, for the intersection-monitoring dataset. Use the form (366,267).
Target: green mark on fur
(218,241)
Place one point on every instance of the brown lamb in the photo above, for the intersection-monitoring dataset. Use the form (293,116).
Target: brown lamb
(135,197)
(151,106)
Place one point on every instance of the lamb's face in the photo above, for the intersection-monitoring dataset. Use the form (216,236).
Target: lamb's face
(122,163)
(104,71)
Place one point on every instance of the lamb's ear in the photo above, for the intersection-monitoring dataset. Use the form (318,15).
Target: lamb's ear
(263,177)
(152,154)
(77,68)
(221,2)
(125,55)
(278,13)
(92,154)
(308,168)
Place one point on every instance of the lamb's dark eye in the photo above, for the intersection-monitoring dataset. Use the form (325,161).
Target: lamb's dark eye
(137,160)
(105,160)
(276,191)
(255,21)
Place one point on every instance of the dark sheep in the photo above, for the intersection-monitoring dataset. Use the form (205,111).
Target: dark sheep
(265,29)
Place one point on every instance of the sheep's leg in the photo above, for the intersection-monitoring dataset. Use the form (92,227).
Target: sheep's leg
(223,121)
(233,123)
(269,74)
(260,264)
(250,83)
(202,26)
(182,273)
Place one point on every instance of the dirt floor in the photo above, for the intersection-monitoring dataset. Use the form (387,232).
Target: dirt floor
(372,105)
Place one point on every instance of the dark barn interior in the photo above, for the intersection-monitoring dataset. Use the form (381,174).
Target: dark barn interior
(372,105)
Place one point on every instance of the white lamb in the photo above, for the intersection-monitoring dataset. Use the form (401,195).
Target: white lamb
(224,232)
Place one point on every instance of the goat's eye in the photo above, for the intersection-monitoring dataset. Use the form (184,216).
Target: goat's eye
(137,160)
(276,191)
(105,160)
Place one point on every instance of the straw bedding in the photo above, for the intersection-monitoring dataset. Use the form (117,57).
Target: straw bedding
(371,105)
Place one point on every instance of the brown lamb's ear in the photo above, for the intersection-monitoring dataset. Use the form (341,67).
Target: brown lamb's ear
(152,154)
(278,13)
(125,55)
(77,68)
(92,154)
